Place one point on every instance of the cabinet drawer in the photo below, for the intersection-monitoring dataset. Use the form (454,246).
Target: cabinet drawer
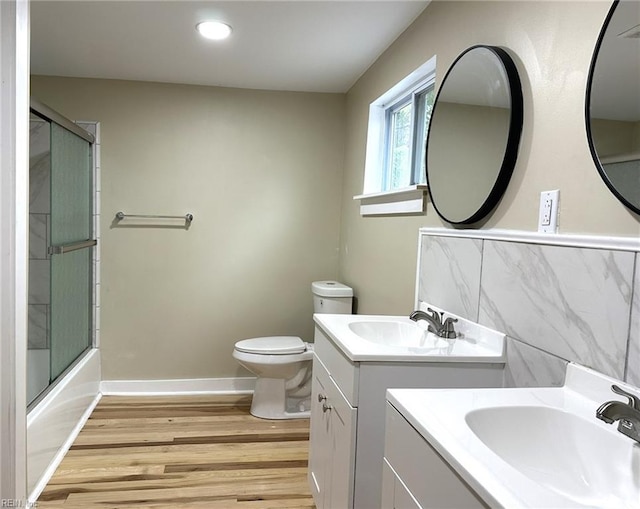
(341,369)
(427,476)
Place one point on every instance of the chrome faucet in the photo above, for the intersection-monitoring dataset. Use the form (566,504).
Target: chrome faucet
(442,328)
(628,414)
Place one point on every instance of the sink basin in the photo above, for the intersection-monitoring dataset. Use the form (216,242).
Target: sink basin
(563,452)
(397,333)
(381,338)
(535,447)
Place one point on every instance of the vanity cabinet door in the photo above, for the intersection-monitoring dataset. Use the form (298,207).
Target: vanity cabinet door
(332,443)
(320,445)
(343,431)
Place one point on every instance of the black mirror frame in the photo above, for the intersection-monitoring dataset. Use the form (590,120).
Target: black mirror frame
(587,113)
(513,138)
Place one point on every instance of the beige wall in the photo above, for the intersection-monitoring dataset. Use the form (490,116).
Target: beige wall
(552,44)
(260,171)
(263,174)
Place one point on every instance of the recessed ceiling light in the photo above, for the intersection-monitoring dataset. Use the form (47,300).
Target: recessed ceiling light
(215,30)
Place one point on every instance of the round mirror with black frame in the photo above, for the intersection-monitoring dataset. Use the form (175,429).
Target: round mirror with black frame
(474,134)
(612,106)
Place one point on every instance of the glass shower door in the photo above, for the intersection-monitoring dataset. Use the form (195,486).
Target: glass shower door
(71,248)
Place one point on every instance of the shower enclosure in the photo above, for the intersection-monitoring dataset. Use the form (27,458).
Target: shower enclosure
(61,245)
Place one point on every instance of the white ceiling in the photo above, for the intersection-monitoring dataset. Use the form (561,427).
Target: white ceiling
(321,46)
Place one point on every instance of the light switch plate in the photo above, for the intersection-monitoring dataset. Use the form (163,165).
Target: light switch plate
(548,214)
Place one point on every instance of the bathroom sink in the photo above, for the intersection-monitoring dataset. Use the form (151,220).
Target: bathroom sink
(380,338)
(562,451)
(397,333)
(537,447)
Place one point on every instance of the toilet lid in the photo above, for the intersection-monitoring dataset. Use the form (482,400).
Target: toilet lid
(273,345)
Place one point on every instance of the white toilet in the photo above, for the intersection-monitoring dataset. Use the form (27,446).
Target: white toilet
(282,364)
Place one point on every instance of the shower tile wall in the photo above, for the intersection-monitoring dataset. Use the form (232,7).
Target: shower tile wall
(39,230)
(556,304)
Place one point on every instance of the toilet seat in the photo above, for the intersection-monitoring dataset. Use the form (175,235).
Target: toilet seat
(272,345)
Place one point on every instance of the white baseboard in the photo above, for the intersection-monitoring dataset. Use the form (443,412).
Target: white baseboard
(238,385)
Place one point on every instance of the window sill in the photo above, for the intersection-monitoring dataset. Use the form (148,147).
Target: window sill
(408,200)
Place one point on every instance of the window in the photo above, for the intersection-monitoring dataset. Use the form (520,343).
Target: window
(397,134)
(407,124)
(398,167)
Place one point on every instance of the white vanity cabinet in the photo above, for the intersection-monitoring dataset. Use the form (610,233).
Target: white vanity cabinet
(415,476)
(348,415)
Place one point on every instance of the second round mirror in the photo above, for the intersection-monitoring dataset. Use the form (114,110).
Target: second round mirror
(613,103)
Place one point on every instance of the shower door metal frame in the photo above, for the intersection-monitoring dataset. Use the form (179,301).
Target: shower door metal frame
(47,113)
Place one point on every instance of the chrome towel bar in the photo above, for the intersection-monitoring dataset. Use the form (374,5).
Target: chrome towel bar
(121,215)
(74,246)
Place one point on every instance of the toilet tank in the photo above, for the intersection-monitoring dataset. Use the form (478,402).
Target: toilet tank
(332,297)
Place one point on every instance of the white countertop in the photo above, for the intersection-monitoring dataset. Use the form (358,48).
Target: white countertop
(440,416)
(477,344)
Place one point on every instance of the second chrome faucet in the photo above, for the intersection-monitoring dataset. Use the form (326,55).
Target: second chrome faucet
(627,414)
(437,323)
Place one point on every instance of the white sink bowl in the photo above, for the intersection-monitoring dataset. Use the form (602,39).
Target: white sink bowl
(396,333)
(531,447)
(564,452)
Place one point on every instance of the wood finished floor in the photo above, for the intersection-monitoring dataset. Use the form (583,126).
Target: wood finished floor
(182,452)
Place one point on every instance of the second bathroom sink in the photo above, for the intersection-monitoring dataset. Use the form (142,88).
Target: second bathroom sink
(535,447)
(580,459)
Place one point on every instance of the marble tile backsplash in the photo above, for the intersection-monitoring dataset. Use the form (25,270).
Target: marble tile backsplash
(454,285)
(555,303)
(530,367)
(573,303)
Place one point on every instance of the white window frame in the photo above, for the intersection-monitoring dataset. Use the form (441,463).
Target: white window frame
(375,200)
